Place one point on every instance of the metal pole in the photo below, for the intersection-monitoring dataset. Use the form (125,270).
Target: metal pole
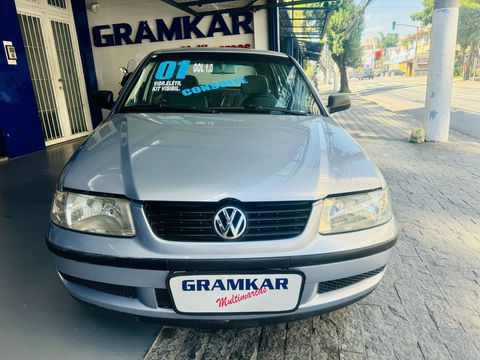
(440,70)
(273,28)
(414,65)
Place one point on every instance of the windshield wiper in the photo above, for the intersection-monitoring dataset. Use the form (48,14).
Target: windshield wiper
(281,109)
(152,108)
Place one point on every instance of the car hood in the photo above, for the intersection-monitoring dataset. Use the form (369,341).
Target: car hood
(209,157)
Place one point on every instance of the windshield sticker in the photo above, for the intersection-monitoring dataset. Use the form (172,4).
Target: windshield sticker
(202,68)
(166,70)
(167,85)
(214,86)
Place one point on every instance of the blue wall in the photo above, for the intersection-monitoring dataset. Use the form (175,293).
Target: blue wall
(86,54)
(19,122)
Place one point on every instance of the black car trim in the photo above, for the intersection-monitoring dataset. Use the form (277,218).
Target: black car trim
(206,323)
(281,262)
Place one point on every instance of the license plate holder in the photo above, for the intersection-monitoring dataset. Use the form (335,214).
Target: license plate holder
(236,293)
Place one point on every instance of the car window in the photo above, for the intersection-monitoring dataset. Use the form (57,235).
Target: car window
(223,82)
(140,91)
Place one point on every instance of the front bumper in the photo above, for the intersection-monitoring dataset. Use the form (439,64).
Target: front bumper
(129,275)
(138,286)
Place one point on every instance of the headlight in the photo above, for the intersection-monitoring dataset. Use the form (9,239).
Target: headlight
(355,212)
(92,214)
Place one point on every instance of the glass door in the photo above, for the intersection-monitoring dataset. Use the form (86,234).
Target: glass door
(41,74)
(69,78)
(53,57)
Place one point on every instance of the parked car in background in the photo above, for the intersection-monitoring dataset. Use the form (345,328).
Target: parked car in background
(366,74)
(354,74)
(219,189)
(397,72)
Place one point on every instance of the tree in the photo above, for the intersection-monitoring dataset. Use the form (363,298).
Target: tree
(387,41)
(344,31)
(468,32)
(425,16)
(468,36)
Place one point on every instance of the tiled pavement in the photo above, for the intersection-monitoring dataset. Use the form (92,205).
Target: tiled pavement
(428,304)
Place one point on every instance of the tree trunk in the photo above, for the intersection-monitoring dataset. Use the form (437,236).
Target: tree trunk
(462,59)
(340,61)
(471,54)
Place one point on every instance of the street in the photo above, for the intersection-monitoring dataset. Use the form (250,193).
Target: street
(406,95)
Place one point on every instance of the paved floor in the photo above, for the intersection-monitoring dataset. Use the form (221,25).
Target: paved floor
(38,320)
(428,305)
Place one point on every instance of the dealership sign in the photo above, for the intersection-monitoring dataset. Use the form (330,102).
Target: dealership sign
(236,293)
(180,28)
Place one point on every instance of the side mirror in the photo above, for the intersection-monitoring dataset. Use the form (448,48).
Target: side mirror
(338,102)
(125,78)
(103,99)
(127,71)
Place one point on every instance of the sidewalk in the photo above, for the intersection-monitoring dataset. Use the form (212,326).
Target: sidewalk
(407,96)
(428,305)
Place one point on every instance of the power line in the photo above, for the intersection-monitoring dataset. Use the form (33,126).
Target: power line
(362,6)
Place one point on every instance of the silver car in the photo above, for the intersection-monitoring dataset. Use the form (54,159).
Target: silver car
(220,191)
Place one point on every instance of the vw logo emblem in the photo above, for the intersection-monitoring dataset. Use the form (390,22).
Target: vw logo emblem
(230,223)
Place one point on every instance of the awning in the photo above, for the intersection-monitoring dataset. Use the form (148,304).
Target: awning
(299,31)
(303,28)
(209,7)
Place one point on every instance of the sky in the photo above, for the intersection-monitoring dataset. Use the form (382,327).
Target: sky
(380,14)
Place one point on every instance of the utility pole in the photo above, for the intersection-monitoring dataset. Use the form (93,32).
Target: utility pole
(414,66)
(440,69)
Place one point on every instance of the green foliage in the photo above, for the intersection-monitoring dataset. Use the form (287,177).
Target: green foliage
(386,41)
(404,43)
(468,26)
(344,32)
(425,16)
(458,64)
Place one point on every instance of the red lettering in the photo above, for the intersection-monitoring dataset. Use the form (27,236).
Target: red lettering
(224,301)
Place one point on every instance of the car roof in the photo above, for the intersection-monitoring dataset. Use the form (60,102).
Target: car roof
(221,50)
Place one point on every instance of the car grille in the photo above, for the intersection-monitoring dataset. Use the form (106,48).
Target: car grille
(163,297)
(337,284)
(185,221)
(118,290)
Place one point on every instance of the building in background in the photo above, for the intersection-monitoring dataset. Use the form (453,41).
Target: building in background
(368,52)
(410,56)
(417,49)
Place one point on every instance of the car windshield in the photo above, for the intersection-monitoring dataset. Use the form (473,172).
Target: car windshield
(220,82)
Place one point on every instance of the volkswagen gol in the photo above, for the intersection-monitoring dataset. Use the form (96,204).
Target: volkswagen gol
(219,190)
